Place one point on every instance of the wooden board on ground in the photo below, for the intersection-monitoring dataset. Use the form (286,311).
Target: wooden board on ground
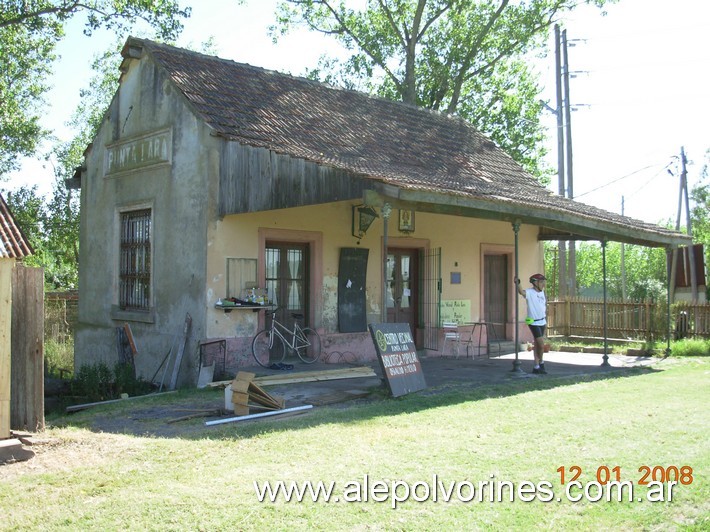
(308,376)
(338,397)
(248,395)
(316,376)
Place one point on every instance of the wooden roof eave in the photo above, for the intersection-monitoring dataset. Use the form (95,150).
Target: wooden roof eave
(558,225)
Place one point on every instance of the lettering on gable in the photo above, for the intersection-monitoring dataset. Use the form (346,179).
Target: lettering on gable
(139,152)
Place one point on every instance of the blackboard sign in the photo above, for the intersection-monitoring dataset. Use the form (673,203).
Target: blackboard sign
(352,274)
(398,357)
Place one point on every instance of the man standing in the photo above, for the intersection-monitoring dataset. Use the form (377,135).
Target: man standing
(537,316)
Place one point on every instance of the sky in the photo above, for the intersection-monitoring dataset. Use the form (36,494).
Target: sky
(641,91)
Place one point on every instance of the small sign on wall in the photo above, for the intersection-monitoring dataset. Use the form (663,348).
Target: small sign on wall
(398,357)
(458,310)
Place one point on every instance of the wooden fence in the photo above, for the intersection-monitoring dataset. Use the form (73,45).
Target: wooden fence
(27,336)
(639,320)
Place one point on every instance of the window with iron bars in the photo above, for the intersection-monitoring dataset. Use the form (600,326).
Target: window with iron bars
(134,275)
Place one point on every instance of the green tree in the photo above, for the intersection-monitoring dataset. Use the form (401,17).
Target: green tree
(60,219)
(700,212)
(29,33)
(455,56)
(645,270)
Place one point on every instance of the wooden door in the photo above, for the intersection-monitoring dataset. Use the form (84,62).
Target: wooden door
(287,277)
(496,285)
(401,295)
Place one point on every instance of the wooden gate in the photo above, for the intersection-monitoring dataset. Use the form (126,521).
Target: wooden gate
(430,296)
(27,361)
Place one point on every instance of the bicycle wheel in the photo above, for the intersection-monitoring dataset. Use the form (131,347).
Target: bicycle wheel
(308,345)
(267,348)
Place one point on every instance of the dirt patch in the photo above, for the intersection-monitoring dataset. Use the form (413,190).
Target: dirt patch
(67,451)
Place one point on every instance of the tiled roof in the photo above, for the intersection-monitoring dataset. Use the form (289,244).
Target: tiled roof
(395,143)
(12,242)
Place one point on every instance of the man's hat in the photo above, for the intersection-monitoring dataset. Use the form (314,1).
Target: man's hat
(537,277)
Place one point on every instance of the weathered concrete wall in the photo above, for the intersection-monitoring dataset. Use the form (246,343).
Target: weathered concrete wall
(151,152)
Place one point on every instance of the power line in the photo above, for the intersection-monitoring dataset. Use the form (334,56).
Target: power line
(620,178)
(647,182)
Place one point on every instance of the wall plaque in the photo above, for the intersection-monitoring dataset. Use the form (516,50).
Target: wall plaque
(139,152)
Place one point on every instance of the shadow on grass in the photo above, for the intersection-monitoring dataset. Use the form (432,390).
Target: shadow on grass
(149,417)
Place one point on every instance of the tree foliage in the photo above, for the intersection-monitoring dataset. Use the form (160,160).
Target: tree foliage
(645,270)
(455,56)
(29,33)
(54,225)
(700,212)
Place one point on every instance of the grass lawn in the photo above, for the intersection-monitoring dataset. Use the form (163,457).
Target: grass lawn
(522,431)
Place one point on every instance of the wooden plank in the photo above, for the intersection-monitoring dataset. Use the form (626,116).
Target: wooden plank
(76,408)
(181,351)
(338,397)
(262,397)
(307,376)
(241,410)
(6,265)
(239,398)
(27,352)
(240,386)
(245,376)
(202,413)
(316,376)
(129,335)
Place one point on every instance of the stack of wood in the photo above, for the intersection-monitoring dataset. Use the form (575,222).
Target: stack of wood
(246,395)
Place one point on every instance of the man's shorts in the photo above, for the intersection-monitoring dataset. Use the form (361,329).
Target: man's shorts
(538,331)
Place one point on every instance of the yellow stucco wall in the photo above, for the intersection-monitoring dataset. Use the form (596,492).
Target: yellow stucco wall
(463,241)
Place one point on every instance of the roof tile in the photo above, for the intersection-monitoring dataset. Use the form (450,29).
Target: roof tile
(13,243)
(389,141)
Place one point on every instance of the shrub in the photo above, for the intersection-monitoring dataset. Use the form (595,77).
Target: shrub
(98,383)
(59,355)
(126,381)
(93,381)
(690,347)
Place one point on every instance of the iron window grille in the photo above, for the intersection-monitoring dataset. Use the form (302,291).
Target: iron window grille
(135,257)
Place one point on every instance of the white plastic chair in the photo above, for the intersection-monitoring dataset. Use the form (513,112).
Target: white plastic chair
(451,334)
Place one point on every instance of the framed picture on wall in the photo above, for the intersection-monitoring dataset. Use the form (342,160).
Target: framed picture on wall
(406,221)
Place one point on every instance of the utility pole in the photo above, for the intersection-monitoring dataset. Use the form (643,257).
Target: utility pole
(683,193)
(691,250)
(572,263)
(562,282)
(623,260)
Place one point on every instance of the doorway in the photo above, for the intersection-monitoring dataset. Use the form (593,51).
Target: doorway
(287,274)
(401,295)
(496,285)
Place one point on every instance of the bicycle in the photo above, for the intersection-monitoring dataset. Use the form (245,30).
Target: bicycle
(269,345)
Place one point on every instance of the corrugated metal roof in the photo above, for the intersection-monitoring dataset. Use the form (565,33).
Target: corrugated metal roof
(394,143)
(13,243)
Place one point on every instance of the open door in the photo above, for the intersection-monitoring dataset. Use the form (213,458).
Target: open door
(402,286)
